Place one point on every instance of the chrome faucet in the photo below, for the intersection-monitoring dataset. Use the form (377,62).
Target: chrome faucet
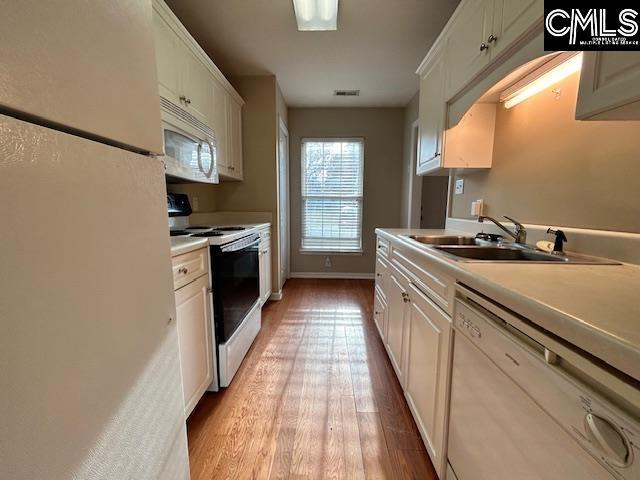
(519,234)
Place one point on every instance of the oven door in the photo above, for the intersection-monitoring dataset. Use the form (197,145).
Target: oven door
(236,284)
(188,157)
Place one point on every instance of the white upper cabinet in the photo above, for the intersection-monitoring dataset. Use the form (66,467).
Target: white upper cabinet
(234,136)
(169,51)
(479,32)
(481,36)
(189,79)
(513,19)
(467,50)
(221,126)
(85,65)
(609,86)
(431,117)
(197,92)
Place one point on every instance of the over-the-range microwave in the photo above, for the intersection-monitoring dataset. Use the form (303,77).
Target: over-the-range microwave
(190,150)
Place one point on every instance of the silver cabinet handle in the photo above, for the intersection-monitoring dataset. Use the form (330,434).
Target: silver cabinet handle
(492,38)
(183,270)
(232,168)
(483,47)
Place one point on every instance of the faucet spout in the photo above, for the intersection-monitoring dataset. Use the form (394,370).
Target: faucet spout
(519,234)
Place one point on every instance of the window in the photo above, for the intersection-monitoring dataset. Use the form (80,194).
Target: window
(332,194)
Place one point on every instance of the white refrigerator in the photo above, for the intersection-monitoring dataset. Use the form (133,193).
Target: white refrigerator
(90,383)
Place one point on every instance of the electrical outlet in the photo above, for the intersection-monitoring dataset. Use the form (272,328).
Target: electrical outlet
(195,203)
(327,262)
(459,186)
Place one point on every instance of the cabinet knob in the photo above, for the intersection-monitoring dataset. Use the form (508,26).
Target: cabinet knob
(232,168)
(183,270)
(492,38)
(378,274)
(483,47)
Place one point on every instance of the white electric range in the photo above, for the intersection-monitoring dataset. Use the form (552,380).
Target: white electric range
(235,285)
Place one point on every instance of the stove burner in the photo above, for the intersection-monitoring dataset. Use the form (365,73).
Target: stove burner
(196,227)
(214,233)
(175,233)
(230,229)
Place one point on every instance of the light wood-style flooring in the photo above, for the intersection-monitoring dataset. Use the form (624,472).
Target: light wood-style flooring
(316,397)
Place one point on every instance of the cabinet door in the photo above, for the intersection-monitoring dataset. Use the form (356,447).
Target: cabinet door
(381,273)
(193,312)
(168,59)
(265,272)
(85,65)
(397,306)
(432,109)
(220,126)
(235,139)
(512,20)
(465,57)
(428,353)
(379,313)
(609,86)
(196,87)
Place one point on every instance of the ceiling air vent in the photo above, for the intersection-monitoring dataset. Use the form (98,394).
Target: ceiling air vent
(346,93)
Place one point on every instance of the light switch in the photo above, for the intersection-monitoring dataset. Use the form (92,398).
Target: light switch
(459,186)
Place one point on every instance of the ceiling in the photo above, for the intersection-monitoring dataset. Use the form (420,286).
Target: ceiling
(376,49)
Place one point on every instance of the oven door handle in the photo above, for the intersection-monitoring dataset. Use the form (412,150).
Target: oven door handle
(240,245)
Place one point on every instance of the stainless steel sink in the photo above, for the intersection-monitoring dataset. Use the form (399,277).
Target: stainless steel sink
(516,254)
(443,239)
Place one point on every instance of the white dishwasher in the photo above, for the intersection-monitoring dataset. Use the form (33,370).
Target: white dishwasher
(519,411)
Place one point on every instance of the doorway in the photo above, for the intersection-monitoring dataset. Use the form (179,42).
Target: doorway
(283,203)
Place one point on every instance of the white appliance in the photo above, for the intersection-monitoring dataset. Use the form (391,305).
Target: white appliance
(89,364)
(235,273)
(521,411)
(189,145)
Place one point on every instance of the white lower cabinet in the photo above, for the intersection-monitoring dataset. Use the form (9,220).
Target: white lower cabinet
(397,304)
(264,267)
(410,311)
(380,313)
(426,373)
(193,316)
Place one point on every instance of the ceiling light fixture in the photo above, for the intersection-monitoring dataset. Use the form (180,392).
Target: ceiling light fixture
(316,15)
(557,69)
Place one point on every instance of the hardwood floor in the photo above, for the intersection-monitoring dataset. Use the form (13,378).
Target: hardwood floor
(316,397)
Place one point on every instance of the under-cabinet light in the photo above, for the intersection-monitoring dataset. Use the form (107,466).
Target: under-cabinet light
(315,15)
(542,81)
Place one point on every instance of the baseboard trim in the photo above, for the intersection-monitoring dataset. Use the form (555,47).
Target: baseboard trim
(276,296)
(333,275)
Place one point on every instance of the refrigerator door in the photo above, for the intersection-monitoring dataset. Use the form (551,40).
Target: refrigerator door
(85,65)
(89,364)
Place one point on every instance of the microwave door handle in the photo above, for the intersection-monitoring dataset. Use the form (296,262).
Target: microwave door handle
(200,158)
(212,163)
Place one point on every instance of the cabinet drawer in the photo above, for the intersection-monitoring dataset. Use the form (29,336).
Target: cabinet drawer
(382,247)
(189,266)
(438,285)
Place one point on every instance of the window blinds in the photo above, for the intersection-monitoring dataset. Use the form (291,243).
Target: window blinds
(332,172)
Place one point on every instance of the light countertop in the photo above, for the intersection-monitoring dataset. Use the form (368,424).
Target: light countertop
(180,245)
(595,307)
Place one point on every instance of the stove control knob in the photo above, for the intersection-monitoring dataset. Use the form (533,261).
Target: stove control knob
(608,439)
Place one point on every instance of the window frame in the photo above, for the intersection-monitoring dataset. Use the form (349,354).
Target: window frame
(334,250)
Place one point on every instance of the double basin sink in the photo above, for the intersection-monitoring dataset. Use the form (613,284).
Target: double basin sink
(471,249)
